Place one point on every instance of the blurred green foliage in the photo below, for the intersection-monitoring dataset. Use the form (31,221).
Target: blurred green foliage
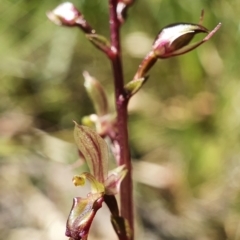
(187,115)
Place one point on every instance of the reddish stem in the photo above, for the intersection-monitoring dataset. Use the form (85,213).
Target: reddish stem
(145,65)
(126,193)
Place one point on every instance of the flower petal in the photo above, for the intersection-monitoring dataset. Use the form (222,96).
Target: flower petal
(134,86)
(79,180)
(81,216)
(190,47)
(96,92)
(94,149)
(65,14)
(113,182)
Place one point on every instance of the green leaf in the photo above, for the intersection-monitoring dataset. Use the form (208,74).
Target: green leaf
(100,42)
(97,94)
(81,216)
(94,149)
(134,86)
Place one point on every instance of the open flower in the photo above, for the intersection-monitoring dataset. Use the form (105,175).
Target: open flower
(95,151)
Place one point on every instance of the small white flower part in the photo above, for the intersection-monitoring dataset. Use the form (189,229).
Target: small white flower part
(174,39)
(64,14)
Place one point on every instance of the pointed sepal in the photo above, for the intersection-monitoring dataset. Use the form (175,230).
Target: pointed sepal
(97,94)
(134,86)
(113,182)
(100,42)
(94,149)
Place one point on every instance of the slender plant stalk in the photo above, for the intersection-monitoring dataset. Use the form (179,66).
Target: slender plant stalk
(146,65)
(126,193)
(171,41)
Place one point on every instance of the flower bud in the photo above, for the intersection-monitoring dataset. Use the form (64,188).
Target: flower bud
(173,40)
(122,7)
(66,14)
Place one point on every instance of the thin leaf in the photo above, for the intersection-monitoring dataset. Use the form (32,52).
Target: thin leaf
(100,42)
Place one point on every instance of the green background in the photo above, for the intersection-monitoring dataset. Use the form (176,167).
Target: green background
(184,124)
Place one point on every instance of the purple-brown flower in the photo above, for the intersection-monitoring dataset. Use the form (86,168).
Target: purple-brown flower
(95,151)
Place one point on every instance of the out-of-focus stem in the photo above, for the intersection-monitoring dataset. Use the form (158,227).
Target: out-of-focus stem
(126,193)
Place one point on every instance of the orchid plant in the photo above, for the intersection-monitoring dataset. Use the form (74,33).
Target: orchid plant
(172,40)
(104,185)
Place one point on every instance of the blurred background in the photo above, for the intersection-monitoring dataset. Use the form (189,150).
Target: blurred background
(184,124)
